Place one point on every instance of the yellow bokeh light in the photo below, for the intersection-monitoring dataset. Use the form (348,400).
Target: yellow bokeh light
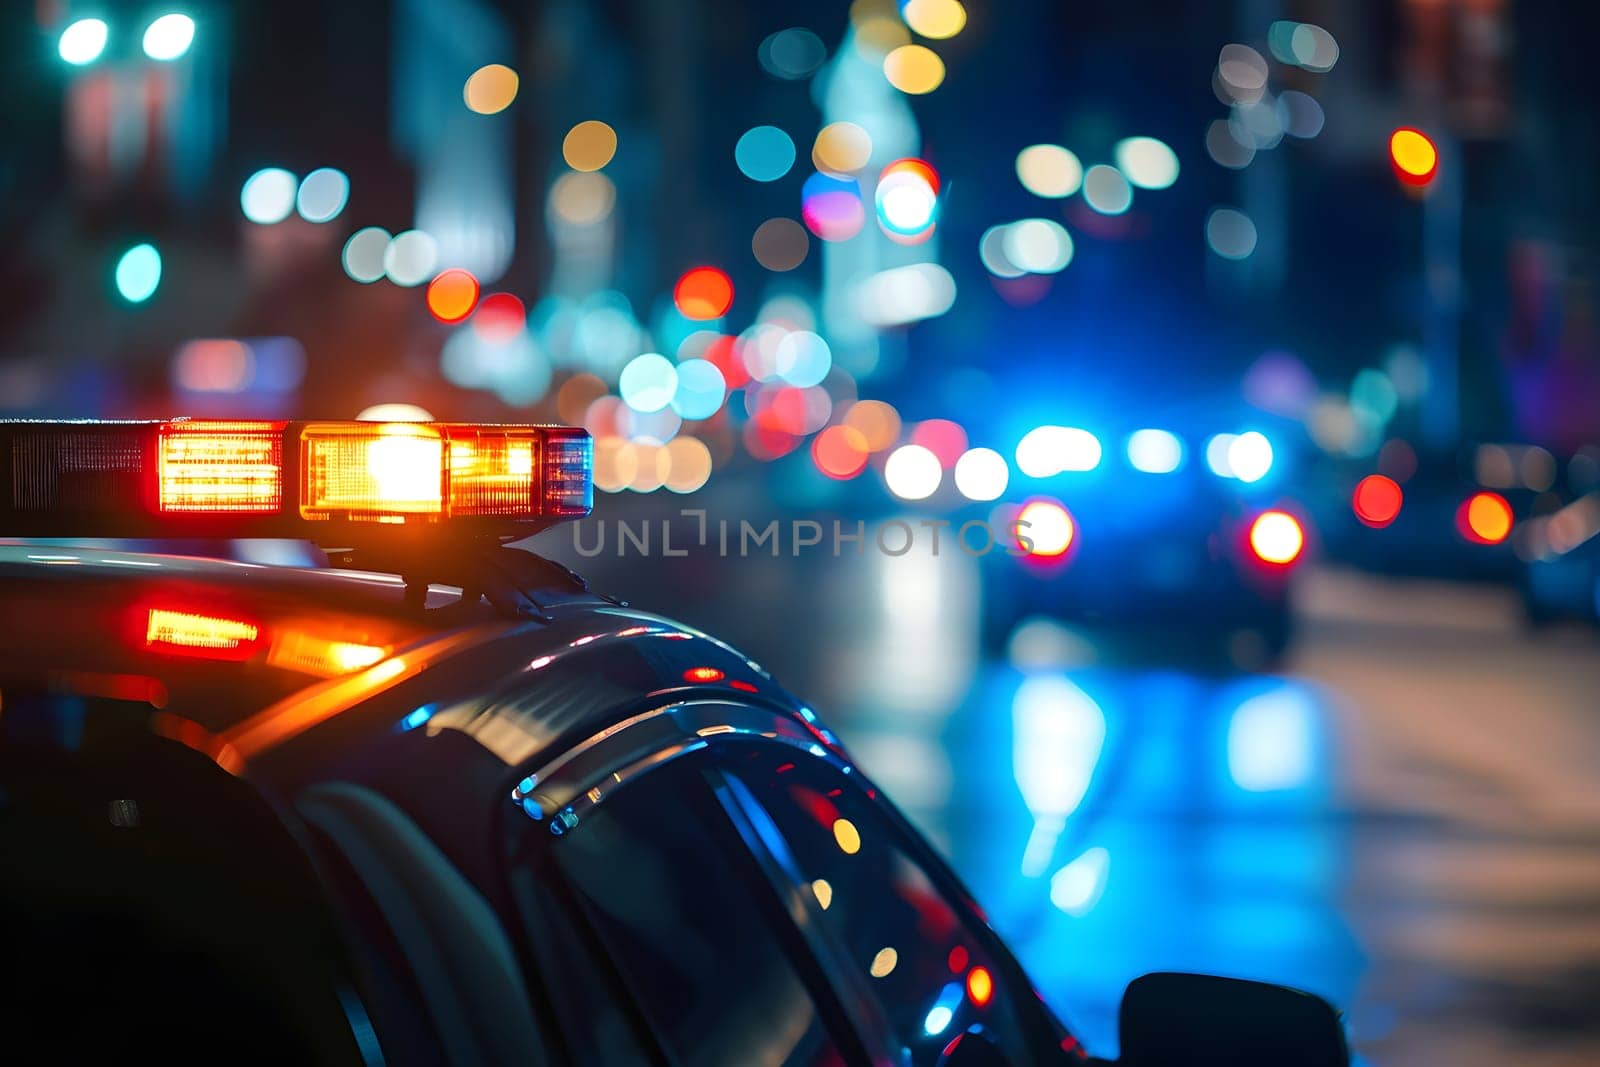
(689,464)
(935,19)
(491,89)
(883,963)
(581,199)
(877,26)
(841,148)
(914,69)
(1413,153)
(589,145)
(876,421)
(654,466)
(1049,170)
(847,836)
(615,463)
(824,892)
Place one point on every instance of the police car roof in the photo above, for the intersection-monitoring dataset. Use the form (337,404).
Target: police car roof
(248,657)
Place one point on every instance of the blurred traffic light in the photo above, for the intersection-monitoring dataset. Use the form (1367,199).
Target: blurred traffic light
(1414,155)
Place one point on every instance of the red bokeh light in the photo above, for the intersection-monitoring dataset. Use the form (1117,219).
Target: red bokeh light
(943,438)
(452,295)
(500,317)
(703,293)
(840,452)
(1377,501)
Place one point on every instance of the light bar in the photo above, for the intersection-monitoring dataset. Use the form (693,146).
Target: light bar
(326,481)
(221,466)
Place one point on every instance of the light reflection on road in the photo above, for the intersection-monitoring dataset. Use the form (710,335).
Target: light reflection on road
(1116,822)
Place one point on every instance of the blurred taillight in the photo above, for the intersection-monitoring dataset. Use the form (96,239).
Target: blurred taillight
(1277,537)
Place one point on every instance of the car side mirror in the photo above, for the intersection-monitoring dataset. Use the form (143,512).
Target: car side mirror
(1176,1020)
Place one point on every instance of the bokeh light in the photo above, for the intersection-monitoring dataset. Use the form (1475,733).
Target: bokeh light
(138,273)
(410,258)
(499,317)
(764,153)
(82,41)
(1485,518)
(1303,45)
(1050,171)
(907,200)
(1037,246)
(703,293)
(1049,450)
(1047,526)
(840,452)
(363,254)
(490,89)
(1276,537)
(1224,149)
(791,54)
(1146,162)
(168,37)
(649,382)
(589,145)
(991,251)
(841,148)
(878,28)
(1230,233)
(1249,456)
(1106,190)
(803,358)
(780,244)
(323,195)
(1300,115)
(936,20)
(877,422)
(912,472)
(1414,156)
(268,196)
(581,198)
(1242,72)
(688,464)
(907,294)
(945,439)
(982,474)
(701,389)
(914,69)
(831,207)
(1376,501)
(452,295)
(1155,451)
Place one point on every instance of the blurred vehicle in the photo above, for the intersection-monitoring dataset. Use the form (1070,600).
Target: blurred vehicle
(465,812)
(1512,513)
(1155,537)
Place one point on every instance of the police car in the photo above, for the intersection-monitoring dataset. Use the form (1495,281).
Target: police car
(441,803)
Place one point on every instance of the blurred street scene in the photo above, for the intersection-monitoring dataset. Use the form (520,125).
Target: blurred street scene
(1165,438)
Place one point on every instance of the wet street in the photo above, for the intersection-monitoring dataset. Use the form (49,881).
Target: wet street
(1404,817)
